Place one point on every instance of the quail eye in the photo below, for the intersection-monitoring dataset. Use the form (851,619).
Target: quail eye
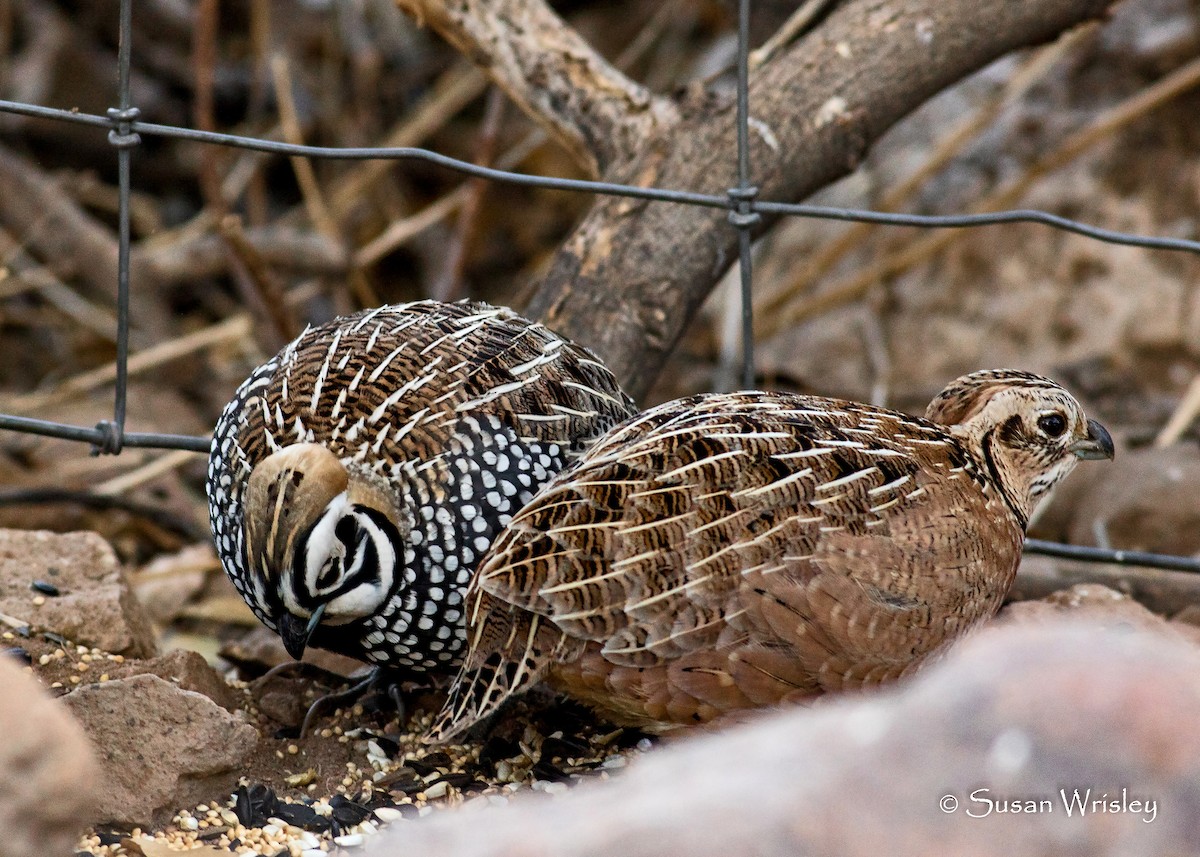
(1052,425)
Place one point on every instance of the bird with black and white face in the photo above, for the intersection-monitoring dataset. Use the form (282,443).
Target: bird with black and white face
(731,551)
(356,478)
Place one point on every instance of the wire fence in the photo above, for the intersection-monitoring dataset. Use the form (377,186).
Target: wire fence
(125,131)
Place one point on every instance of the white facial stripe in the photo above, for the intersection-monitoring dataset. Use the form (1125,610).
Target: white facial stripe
(324,546)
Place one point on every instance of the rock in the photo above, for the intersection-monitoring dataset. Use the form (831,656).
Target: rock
(160,747)
(262,649)
(982,755)
(167,583)
(94,605)
(1146,501)
(47,770)
(1091,602)
(185,669)
(283,698)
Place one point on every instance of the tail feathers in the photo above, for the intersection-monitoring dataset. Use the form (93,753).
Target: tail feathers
(491,674)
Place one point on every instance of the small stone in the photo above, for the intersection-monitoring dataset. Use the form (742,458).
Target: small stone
(161,747)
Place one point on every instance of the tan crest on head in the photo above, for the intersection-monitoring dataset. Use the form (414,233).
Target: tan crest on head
(287,492)
(964,397)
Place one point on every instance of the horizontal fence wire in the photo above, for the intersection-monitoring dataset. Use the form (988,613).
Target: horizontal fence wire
(683,197)
(745,212)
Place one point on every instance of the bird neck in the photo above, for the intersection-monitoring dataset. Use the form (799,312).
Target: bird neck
(1012,483)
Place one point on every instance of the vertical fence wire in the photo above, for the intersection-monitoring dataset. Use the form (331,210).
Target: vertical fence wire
(742,214)
(123,138)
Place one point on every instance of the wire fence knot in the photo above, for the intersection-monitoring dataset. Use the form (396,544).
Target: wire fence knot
(122,136)
(741,212)
(112,438)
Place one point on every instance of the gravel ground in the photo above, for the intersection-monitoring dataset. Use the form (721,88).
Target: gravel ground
(362,770)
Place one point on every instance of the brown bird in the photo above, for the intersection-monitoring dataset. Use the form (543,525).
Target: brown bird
(726,552)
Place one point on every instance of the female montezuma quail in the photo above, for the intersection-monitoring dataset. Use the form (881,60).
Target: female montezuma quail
(730,551)
(358,476)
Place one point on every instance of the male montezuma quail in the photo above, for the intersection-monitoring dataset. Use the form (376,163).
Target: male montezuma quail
(357,477)
(725,552)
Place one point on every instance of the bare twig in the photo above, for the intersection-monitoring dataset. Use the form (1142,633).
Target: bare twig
(449,285)
(792,29)
(306,177)
(453,90)
(547,69)
(263,292)
(72,244)
(232,329)
(1182,419)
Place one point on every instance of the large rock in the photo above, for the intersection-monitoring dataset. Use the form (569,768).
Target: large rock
(988,754)
(47,771)
(161,747)
(95,606)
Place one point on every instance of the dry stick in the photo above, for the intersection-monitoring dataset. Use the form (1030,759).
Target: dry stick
(453,91)
(23,274)
(791,30)
(265,289)
(53,228)
(314,199)
(449,286)
(204,60)
(402,231)
(948,148)
(310,190)
(1185,414)
(597,113)
(439,108)
(193,254)
(855,286)
(232,329)
(159,466)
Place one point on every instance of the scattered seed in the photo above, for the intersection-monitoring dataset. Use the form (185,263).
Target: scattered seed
(45,588)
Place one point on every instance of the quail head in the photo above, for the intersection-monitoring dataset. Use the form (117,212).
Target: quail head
(357,477)
(726,552)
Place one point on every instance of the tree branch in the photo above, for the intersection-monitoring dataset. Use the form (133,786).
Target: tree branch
(556,77)
(633,273)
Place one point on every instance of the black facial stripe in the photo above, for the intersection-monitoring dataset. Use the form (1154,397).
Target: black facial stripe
(330,572)
(993,471)
(346,530)
(380,520)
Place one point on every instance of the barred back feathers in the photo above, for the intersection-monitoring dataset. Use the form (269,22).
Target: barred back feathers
(725,552)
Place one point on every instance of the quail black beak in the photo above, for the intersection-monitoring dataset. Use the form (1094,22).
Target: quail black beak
(1098,443)
(297,631)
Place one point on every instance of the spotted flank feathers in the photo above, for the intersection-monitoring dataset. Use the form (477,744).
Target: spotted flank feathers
(726,552)
(356,478)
